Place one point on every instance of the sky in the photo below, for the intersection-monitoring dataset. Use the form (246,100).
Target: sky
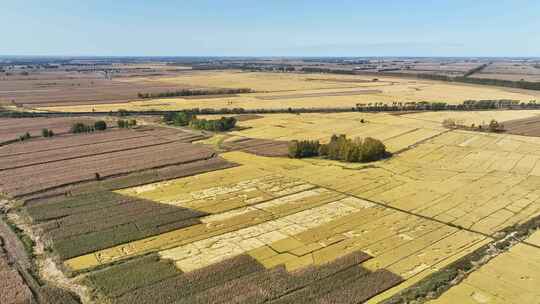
(496,28)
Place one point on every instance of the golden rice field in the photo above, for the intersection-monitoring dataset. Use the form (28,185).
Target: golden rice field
(283,90)
(280,210)
(396,131)
(445,194)
(512,277)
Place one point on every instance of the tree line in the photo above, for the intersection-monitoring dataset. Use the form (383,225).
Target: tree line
(340,148)
(194,92)
(494,126)
(183,119)
(80,127)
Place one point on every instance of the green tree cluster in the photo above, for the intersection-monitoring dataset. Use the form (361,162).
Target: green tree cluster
(125,124)
(80,127)
(220,125)
(304,148)
(47,133)
(340,148)
(189,119)
(100,125)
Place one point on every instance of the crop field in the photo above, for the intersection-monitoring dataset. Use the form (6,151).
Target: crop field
(512,277)
(45,164)
(396,132)
(12,128)
(62,88)
(181,217)
(510,71)
(283,90)
(526,126)
(407,216)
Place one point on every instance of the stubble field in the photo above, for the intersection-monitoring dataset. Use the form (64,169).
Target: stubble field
(284,90)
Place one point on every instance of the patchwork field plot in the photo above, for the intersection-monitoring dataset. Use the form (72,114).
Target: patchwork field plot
(63,88)
(12,128)
(262,147)
(24,180)
(256,229)
(396,132)
(512,277)
(284,90)
(526,126)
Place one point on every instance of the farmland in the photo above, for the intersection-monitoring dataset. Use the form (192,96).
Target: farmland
(283,90)
(157,213)
(511,277)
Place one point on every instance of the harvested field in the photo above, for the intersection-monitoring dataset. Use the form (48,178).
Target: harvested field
(245,117)
(322,94)
(397,133)
(526,127)
(12,128)
(64,89)
(262,147)
(24,180)
(284,90)
(285,230)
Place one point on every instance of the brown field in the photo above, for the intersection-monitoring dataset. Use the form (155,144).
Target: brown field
(67,160)
(262,147)
(526,127)
(297,90)
(323,94)
(12,128)
(84,88)
(514,71)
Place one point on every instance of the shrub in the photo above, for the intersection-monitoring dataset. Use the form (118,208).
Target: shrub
(100,125)
(305,148)
(449,123)
(25,136)
(47,133)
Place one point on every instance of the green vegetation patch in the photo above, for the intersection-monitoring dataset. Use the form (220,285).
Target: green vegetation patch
(120,279)
(340,148)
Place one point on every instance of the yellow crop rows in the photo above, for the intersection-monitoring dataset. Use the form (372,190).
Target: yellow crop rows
(444,195)
(512,277)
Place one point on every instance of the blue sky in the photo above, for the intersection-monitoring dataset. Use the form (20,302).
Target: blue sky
(271,27)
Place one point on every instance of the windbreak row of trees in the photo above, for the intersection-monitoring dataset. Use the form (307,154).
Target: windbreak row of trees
(194,92)
(340,148)
(80,127)
(189,119)
(520,84)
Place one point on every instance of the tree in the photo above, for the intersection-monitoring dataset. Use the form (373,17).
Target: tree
(100,125)
(45,132)
(449,123)
(79,127)
(495,126)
